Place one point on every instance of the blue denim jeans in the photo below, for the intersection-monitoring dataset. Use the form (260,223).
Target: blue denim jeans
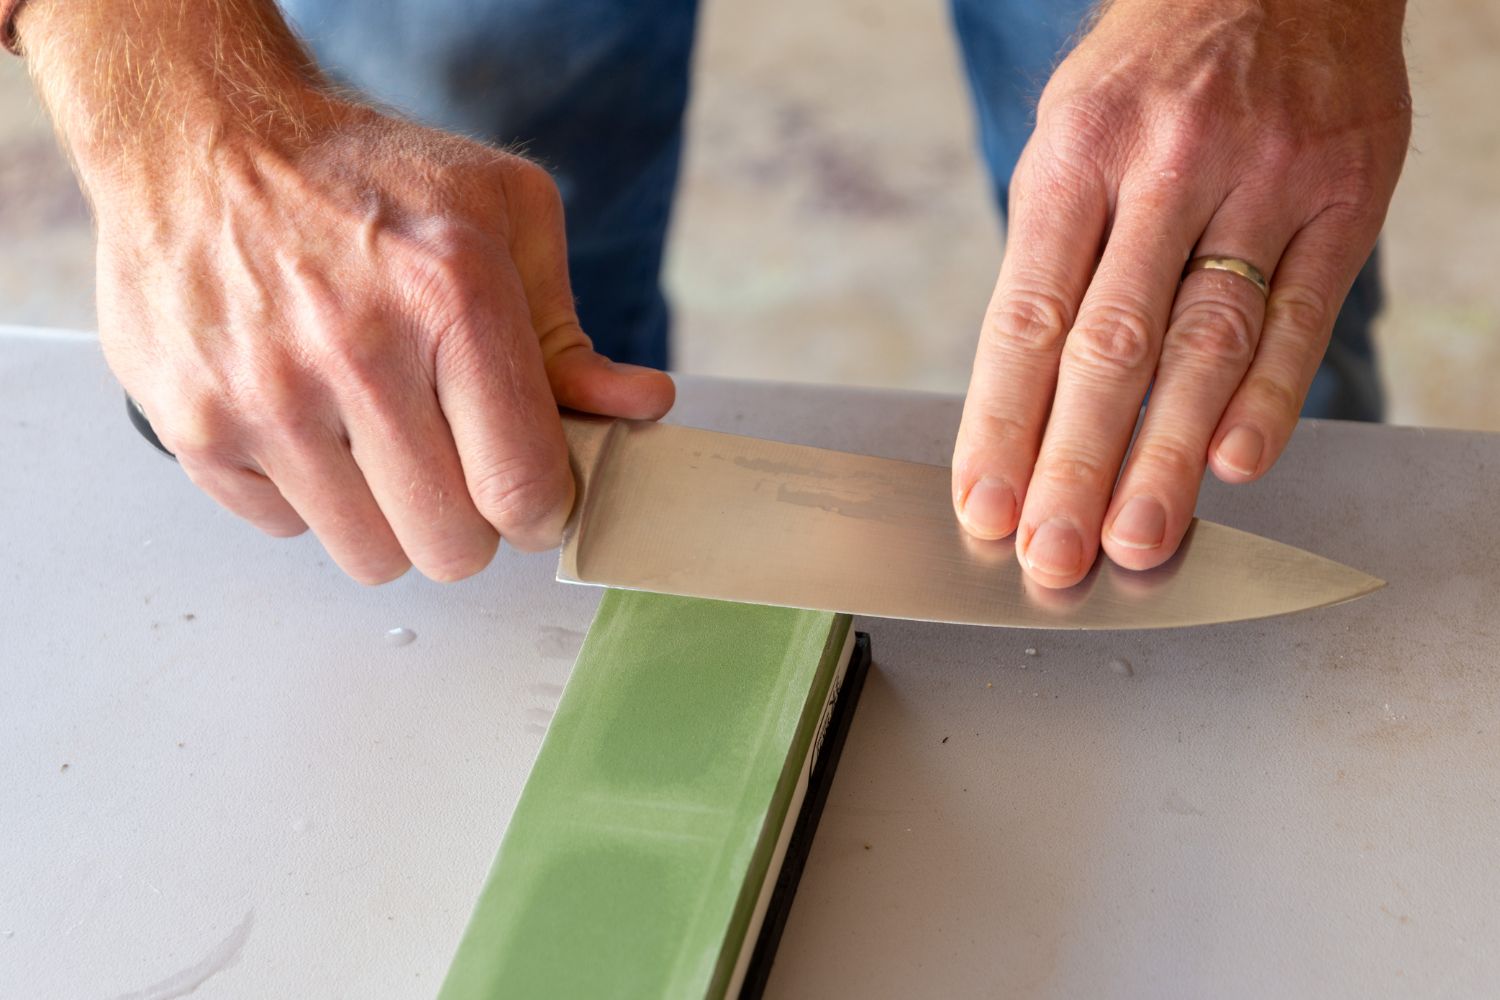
(596,90)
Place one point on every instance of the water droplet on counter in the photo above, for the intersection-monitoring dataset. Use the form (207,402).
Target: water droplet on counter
(400,637)
(1122,666)
(1030,650)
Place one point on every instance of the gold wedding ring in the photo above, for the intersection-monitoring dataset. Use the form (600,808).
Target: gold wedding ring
(1233,265)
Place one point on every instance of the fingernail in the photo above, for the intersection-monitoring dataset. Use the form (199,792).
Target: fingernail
(1055,549)
(990,508)
(1241,450)
(1141,524)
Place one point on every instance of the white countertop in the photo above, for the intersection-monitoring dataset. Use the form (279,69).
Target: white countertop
(216,773)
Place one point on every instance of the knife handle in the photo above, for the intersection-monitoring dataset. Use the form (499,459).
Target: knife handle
(138,418)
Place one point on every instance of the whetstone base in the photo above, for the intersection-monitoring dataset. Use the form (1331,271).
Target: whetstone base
(790,874)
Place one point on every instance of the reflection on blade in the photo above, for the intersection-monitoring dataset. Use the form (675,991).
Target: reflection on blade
(702,514)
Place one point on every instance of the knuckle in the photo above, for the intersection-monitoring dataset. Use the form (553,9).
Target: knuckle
(197,428)
(1299,311)
(1054,174)
(1076,136)
(1353,179)
(1067,471)
(530,176)
(1218,331)
(562,337)
(1032,320)
(284,528)
(1356,189)
(516,495)
(353,358)
(270,396)
(1113,338)
(439,262)
(1169,458)
(440,277)
(286,421)
(530,187)
(1179,149)
(459,564)
(294,429)
(447,249)
(363,545)
(371,559)
(1076,119)
(1273,396)
(311,286)
(1176,139)
(992,431)
(1279,150)
(374,572)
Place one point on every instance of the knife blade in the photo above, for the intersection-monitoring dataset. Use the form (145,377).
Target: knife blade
(697,513)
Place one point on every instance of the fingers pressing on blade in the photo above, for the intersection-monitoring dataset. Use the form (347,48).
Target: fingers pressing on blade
(1106,366)
(1056,225)
(1210,340)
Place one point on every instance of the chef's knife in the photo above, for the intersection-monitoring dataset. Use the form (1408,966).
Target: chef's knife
(702,514)
(697,513)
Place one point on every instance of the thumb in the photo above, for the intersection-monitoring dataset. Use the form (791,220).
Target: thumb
(581,378)
(584,379)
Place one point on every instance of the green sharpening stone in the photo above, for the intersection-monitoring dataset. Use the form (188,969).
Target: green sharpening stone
(658,840)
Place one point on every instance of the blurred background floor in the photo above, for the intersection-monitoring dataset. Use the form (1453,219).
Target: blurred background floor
(834,223)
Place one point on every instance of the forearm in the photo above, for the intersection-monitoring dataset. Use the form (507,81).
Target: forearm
(130,82)
(1351,25)
(1278,10)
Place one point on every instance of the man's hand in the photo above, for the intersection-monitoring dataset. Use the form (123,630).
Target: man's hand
(1267,130)
(334,318)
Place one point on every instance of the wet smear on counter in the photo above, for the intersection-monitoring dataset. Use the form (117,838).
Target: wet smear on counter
(221,957)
